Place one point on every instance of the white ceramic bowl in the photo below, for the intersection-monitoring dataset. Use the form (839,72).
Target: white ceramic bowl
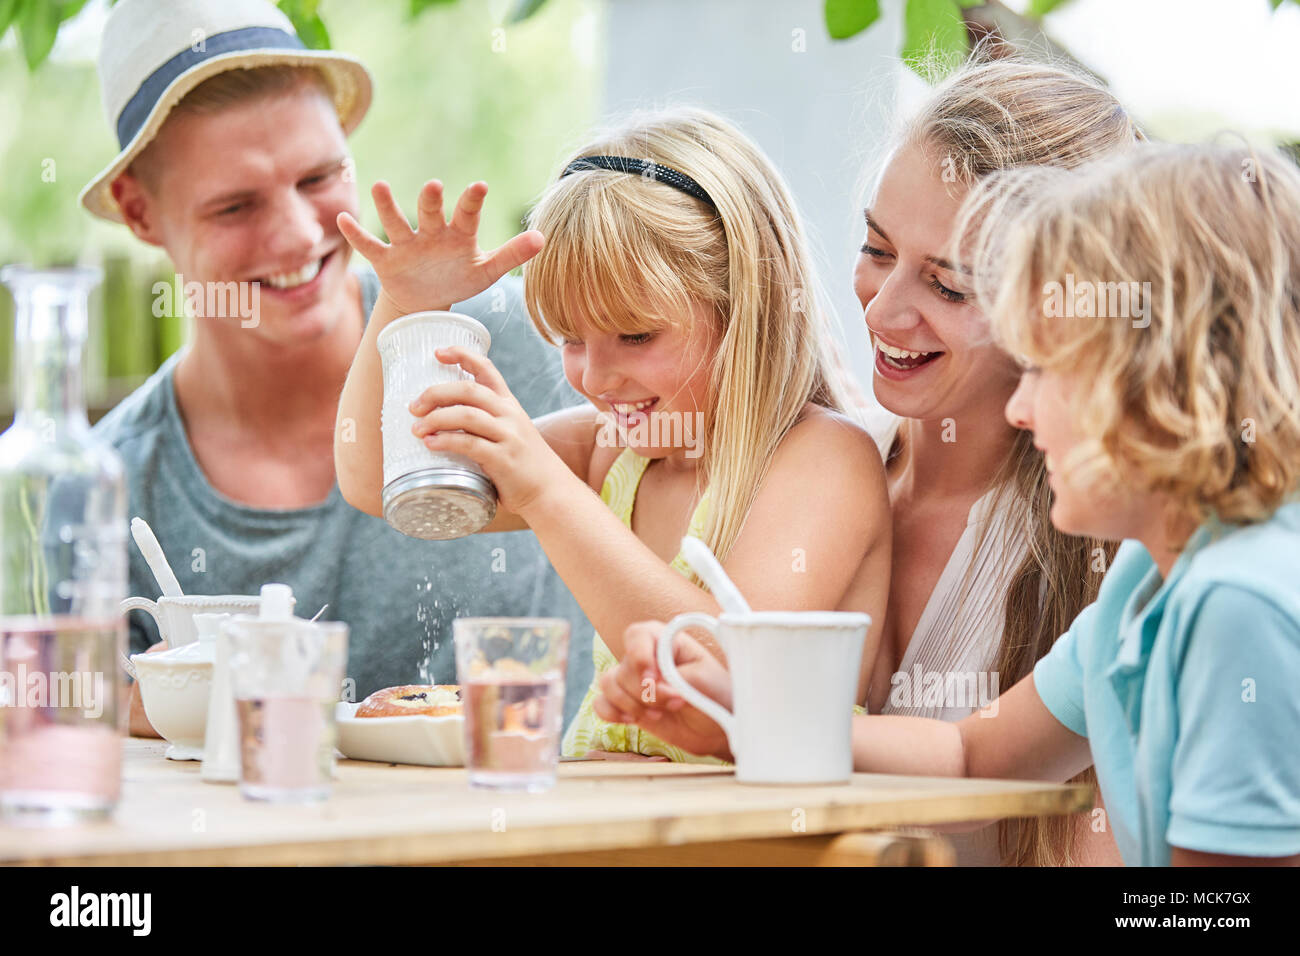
(175,697)
(418,739)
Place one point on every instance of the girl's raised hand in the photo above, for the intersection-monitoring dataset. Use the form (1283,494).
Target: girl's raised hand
(439,263)
(482,420)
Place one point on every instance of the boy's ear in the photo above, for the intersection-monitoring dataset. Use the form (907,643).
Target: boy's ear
(139,209)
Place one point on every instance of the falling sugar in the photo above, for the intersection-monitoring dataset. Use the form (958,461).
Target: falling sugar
(429,619)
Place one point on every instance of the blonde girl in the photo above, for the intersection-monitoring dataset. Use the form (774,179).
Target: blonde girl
(669,265)
(1170,420)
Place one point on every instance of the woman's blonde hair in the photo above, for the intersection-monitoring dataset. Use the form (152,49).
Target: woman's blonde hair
(986,117)
(625,253)
(1185,319)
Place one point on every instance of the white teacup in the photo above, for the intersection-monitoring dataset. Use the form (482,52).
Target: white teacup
(175,684)
(175,615)
(794,681)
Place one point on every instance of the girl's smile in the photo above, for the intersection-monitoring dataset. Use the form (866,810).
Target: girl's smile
(640,378)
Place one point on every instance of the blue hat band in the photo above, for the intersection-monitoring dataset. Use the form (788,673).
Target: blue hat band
(138,108)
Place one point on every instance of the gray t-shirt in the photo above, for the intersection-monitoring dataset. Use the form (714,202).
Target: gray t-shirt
(398,595)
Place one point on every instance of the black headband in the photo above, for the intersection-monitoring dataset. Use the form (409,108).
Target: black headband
(642,167)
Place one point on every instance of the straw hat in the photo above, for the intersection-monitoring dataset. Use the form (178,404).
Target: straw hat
(155,51)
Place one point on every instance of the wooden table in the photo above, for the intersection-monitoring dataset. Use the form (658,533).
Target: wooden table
(600,812)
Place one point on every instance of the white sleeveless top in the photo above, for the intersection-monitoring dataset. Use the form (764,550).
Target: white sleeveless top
(947,669)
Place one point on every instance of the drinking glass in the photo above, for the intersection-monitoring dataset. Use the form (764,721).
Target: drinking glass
(286,677)
(511,672)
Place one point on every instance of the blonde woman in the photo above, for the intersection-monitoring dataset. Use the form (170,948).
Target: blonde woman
(982,584)
(674,278)
(1173,424)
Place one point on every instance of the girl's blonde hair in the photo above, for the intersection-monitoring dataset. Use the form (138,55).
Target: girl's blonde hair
(985,117)
(1185,324)
(625,253)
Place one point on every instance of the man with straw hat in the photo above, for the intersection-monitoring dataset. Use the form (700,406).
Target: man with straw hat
(234,161)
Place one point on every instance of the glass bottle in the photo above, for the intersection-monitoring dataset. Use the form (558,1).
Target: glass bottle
(63,569)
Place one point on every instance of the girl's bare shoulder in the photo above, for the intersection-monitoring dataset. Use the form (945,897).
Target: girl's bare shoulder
(822,435)
(828,458)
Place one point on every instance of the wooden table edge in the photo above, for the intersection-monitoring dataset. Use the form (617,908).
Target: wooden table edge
(443,847)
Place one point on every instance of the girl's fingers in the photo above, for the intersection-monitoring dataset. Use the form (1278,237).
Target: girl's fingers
(480,366)
(359,238)
(640,643)
(457,393)
(631,683)
(390,215)
(462,443)
(431,219)
(465,218)
(617,696)
(514,253)
(606,711)
(462,417)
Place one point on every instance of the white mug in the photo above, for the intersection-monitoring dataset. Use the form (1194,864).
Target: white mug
(794,681)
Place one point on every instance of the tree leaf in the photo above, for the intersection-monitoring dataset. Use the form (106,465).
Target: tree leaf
(419,6)
(846,18)
(37,28)
(307,22)
(523,9)
(1040,8)
(9,10)
(935,40)
(313,33)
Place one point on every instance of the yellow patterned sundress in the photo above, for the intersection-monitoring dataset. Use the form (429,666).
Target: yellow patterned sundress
(588,731)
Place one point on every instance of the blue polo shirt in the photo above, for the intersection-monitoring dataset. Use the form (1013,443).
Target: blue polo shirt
(1188,690)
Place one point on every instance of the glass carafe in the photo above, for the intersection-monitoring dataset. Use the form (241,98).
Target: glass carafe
(62,569)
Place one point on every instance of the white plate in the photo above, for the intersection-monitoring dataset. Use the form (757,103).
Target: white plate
(418,739)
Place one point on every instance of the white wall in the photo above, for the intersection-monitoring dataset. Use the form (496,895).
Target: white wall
(820,113)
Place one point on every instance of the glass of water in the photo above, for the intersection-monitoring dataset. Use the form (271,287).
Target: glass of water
(511,673)
(286,675)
